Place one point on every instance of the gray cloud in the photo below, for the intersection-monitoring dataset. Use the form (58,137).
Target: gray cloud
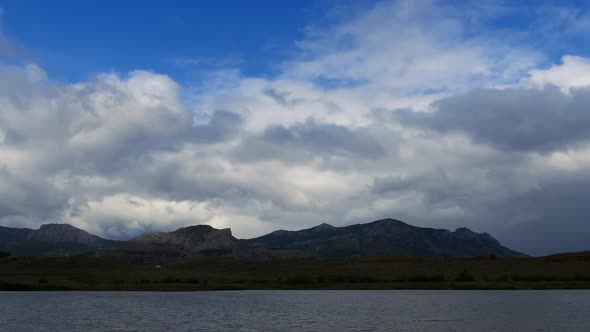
(29,199)
(511,119)
(553,217)
(301,142)
(222,126)
(283,98)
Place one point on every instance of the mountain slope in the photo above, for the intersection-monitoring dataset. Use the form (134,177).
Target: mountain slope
(9,234)
(387,237)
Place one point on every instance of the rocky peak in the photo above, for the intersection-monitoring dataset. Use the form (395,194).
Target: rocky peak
(192,238)
(466,233)
(323,227)
(389,222)
(201,229)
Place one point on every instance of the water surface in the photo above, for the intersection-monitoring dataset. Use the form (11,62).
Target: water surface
(297,311)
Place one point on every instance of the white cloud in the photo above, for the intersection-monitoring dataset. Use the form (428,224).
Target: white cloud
(573,72)
(412,47)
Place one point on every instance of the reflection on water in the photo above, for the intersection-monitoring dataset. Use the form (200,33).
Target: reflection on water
(297,311)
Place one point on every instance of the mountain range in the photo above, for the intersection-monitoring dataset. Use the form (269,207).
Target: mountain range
(387,237)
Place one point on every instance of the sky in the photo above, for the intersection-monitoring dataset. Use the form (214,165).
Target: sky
(123,117)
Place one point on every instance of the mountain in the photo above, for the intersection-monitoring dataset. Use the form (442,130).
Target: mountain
(194,239)
(9,234)
(49,239)
(56,233)
(193,242)
(387,237)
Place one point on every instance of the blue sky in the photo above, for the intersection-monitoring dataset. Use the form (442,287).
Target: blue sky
(126,116)
(74,40)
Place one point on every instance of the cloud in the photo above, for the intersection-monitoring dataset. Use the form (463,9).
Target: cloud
(414,47)
(222,126)
(573,72)
(25,199)
(549,218)
(55,136)
(309,140)
(540,120)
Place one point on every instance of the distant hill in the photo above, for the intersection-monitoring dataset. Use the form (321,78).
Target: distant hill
(49,240)
(9,235)
(387,237)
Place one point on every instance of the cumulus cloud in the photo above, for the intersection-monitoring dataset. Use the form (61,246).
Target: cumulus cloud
(54,136)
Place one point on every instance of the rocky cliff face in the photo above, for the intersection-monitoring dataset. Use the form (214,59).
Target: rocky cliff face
(194,240)
(183,244)
(388,237)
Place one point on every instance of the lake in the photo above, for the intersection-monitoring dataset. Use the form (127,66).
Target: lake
(297,311)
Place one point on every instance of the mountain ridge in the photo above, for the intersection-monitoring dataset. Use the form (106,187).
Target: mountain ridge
(384,237)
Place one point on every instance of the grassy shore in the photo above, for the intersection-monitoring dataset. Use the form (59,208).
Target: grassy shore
(566,271)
